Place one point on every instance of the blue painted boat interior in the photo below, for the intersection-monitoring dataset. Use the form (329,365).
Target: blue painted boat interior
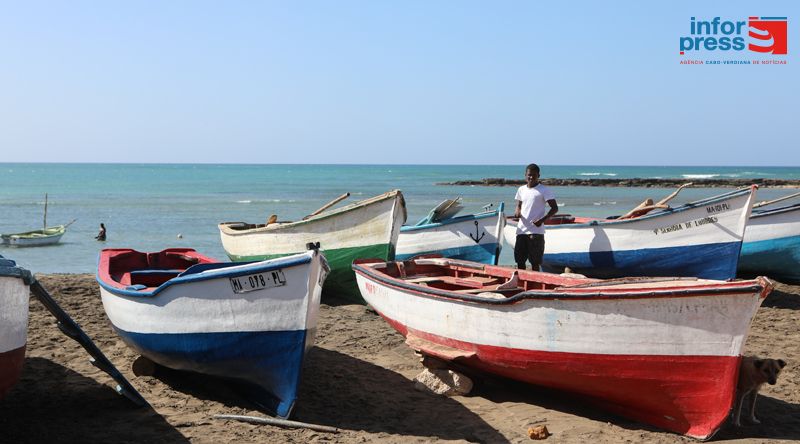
(9,268)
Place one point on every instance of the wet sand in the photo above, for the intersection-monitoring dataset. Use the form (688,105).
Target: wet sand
(358,378)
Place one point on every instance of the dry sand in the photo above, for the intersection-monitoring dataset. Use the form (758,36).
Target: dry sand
(358,378)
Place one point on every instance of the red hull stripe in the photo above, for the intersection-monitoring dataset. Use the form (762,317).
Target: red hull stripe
(691,395)
(10,368)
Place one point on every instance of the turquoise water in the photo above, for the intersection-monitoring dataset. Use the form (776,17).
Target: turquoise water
(146,206)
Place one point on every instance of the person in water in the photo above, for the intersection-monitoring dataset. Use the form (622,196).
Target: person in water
(101,236)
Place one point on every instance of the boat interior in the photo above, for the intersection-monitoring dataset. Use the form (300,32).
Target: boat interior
(470,278)
(143,270)
(503,282)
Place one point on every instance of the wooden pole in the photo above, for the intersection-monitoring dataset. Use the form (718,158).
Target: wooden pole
(328,205)
(279,423)
(767,202)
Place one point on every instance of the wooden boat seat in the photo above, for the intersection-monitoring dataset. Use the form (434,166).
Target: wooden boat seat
(153,277)
(479,282)
(423,279)
(492,289)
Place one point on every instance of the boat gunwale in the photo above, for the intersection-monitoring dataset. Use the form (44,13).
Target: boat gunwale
(759,285)
(58,230)
(105,280)
(452,220)
(770,212)
(665,212)
(225,228)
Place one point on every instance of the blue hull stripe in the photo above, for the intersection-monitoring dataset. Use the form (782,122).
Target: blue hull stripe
(711,261)
(777,258)
(269,364)
(483,253)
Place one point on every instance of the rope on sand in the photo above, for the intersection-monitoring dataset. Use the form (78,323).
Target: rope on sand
(279,422)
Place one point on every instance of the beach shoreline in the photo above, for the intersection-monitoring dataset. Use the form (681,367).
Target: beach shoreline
(357,378)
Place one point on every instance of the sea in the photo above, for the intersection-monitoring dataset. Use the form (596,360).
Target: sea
(149,207)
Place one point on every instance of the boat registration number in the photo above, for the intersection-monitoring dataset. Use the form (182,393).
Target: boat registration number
(258,281)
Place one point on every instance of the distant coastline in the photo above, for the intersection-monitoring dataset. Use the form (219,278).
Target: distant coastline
(635,182)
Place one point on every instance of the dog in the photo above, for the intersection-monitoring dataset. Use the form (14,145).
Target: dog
(753,373)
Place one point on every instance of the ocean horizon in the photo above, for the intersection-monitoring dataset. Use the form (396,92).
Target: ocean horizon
(149,207)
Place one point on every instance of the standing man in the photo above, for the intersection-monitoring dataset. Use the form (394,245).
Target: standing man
(532,200)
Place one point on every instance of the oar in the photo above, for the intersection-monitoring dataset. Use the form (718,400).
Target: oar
(279,422)
(328,205)
(768,202)
(70,328)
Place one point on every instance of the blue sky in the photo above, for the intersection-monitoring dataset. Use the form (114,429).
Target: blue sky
(412,82)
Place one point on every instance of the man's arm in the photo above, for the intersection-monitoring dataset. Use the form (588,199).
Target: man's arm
(553,210)
(518,210)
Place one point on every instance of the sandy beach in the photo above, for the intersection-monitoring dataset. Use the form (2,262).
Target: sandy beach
(358,378)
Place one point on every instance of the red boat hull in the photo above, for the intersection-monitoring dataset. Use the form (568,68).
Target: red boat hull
(677,393)
(10,368)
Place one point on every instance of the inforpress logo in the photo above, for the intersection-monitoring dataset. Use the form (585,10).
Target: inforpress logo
(768,34)
(757,34)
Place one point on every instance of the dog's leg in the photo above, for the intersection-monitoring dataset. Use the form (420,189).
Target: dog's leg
(753,418)
(737,409)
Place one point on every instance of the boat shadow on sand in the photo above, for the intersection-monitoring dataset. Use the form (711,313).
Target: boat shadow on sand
(52,403)
(341,391)
(783,296)
(779,419)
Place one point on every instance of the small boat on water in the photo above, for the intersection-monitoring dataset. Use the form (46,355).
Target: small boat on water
(368,228)
(701,239)
(474,237)
(14,298)
(663,351)
(35,238)
(251,323)
(771,244)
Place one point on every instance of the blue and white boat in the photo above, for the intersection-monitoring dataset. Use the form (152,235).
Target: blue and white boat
(251,323)
(771,244)
(473,237)
(698,239)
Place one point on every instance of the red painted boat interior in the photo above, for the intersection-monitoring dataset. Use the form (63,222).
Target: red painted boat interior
(469,279)
(124,267)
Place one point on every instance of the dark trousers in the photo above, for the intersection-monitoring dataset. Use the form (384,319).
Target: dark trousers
(529,247)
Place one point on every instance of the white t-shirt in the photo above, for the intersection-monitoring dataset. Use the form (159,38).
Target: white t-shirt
(534,207)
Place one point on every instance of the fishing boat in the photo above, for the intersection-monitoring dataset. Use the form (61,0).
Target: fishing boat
(474,237)
(35,238)
(662,351)
(14,296)
(368,228)
(701,239)
(250,323)
(771,244)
